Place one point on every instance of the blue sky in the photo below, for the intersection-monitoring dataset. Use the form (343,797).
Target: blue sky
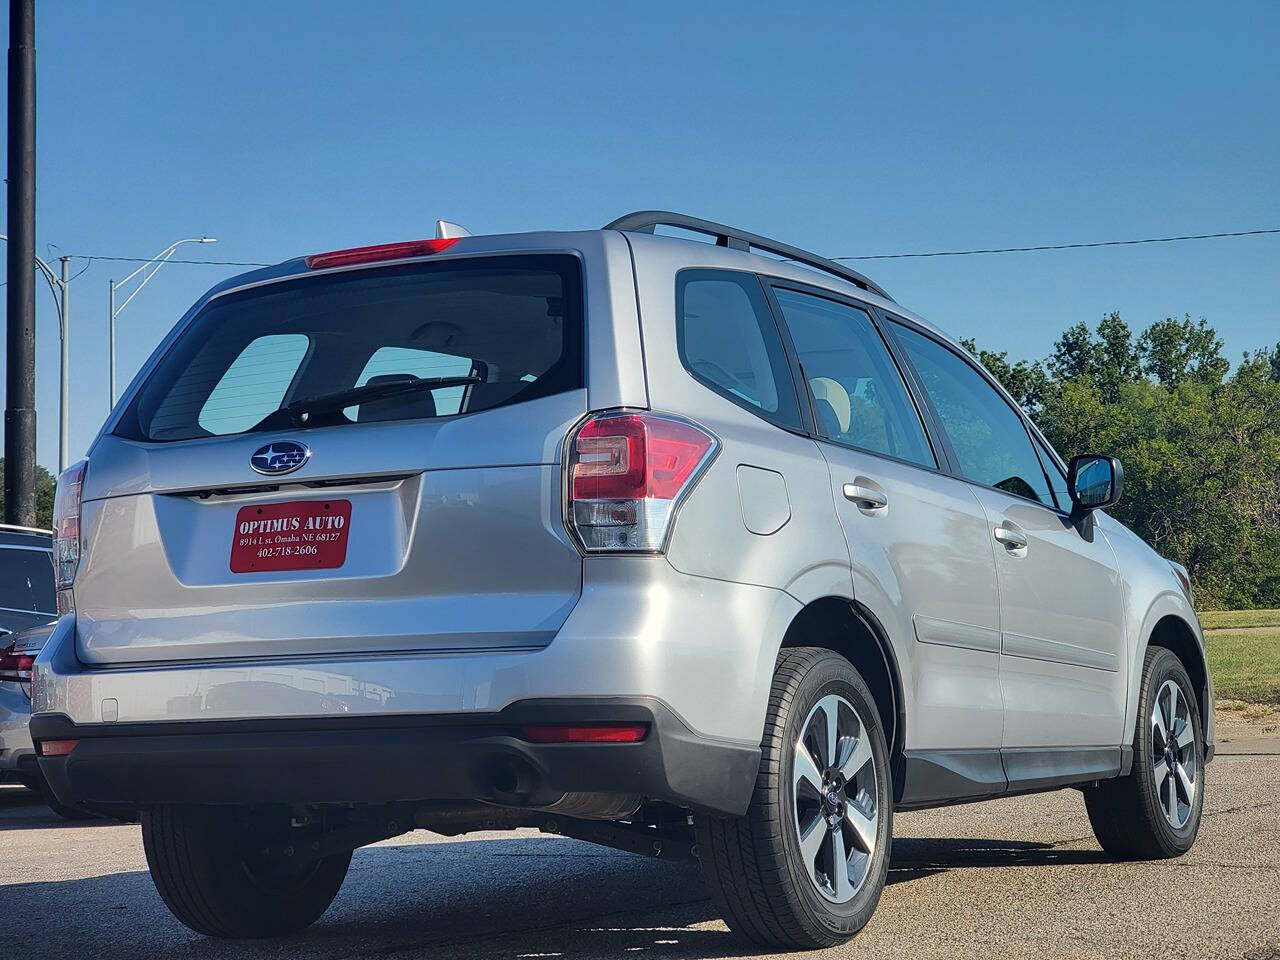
(285,128)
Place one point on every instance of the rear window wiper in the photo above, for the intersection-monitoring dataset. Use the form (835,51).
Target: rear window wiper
(300,412)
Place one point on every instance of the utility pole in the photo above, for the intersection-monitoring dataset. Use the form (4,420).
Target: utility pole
(20,374)
(111,347)
(64,392)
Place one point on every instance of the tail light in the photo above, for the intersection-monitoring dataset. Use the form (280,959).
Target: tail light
(627,474)
(66,526)
(16,666)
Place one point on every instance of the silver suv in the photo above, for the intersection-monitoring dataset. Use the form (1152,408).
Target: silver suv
(703,549)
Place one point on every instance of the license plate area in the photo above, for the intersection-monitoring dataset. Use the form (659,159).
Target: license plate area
(296,535)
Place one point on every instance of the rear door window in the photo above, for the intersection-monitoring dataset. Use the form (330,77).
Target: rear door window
(729,341)
(254,360)
(859,398)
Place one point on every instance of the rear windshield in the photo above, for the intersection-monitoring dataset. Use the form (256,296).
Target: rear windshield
(509,327)
(26,581)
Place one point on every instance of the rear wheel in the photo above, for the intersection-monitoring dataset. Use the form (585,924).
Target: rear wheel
(215,872)
(1154,812)
(805,866)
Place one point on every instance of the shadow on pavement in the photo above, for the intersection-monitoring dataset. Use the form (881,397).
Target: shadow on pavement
(916,857)
(21,809)
(520,897)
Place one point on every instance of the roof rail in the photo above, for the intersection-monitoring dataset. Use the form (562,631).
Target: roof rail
(644,221)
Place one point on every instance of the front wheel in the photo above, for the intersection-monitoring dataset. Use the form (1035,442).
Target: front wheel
(1154,812)
(804,867)
(218,873)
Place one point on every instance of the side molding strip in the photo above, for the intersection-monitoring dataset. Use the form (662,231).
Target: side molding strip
(935,778)
(1055,651)
(949,633)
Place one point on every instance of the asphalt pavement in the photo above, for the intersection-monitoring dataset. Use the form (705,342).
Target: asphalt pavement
(1021,877)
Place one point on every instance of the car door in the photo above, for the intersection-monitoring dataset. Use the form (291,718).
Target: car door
(921,557)
(1062,670)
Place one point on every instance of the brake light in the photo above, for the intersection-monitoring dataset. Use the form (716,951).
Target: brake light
(66,525)
(627,473)
(585,733)
(381,251)
(16,666)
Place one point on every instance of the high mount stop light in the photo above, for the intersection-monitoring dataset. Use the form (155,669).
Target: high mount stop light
(381,251)
(627,474)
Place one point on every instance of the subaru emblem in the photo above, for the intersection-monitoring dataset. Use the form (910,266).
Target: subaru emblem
(280,457)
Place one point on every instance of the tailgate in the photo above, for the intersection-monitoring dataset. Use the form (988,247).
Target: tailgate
(219,522)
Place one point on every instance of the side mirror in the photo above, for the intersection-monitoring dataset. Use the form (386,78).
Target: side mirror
(1095,482)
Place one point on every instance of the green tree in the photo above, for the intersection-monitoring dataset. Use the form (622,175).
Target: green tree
(1107,358)
(1200,443)
(45,484)
(1025,381)
(1174,350)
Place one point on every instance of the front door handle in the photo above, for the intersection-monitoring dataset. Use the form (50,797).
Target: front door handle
(865,497)
(1012,538)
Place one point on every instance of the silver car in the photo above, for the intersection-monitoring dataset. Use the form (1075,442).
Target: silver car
(26,601)
(701,549)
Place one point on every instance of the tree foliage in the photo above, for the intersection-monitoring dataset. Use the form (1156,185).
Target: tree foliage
(45,484)
(1200,443)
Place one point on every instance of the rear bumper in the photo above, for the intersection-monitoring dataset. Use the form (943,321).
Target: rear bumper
(704,648)
(15,738)
(377,759)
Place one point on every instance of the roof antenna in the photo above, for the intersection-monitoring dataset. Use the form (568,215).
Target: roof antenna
(446,229)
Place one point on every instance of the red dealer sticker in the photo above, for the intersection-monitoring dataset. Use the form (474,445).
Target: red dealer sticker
(299,535)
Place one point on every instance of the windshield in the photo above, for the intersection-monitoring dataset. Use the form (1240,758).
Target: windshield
(492,330)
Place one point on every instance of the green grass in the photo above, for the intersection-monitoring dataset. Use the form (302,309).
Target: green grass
(1246,664)
(1220,619)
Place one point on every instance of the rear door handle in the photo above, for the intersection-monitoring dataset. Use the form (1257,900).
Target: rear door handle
(865,497)
(1011,537)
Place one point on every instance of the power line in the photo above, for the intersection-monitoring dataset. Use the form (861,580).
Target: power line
(1062,246)
(207,263)
(877,256)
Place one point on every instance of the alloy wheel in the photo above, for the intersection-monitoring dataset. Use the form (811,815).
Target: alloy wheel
(834,787)
(1173,754)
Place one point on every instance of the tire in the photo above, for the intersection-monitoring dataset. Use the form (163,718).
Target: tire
(771,887)
(205,869)
(1132,816)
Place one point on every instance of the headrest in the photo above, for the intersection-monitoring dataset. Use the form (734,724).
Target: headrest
(824,388)
(414,405)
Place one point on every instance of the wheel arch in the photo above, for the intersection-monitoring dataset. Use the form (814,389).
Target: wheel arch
(1170,622)
(849,629)
(1173,632)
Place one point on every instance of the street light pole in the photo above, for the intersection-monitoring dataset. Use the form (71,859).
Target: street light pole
(111,351)
(155,263)
(61,290)
(64,397)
